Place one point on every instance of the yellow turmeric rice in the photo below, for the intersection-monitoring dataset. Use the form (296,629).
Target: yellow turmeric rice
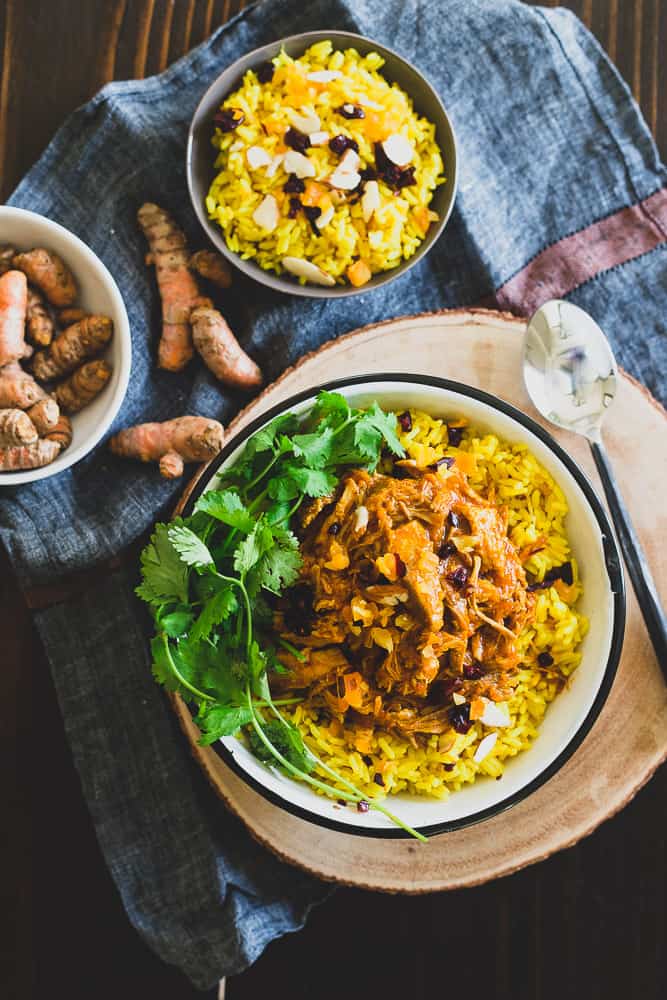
(321,160)
(549,645)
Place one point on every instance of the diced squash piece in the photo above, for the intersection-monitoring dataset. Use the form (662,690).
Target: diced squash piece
(359,273)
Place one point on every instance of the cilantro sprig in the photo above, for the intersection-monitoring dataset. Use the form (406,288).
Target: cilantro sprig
(205,578)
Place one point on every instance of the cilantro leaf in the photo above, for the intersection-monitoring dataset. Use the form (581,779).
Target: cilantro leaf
(251,549)
(287,740)
(385,424)
(314,448)
(312,482)
(176,622)
(282,488)
(216,610)
(216,721)
(280,566)
(226,506)
(189,546)
(332,407)
(274,434)
(164,577)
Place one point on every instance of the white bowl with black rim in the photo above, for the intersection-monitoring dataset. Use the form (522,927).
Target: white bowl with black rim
(569,717)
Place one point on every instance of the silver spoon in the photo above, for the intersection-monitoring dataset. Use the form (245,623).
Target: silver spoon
(571,377)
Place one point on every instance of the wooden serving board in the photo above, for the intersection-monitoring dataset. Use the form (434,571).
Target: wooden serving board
(629,739)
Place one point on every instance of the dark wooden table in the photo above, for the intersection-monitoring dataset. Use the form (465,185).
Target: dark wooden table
(589,922)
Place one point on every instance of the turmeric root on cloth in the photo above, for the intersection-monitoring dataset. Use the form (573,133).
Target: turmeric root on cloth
(13,305)
(178,288)
(61,433)
(49,273)
(44,415)
(172,443)
(212,265)
(16,428)
(29,456)
(18,388)
(221,351)
(82,386)
(7,254)
(80,341)
(40,325)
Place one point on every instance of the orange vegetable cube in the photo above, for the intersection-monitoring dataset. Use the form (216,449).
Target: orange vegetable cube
(359,273)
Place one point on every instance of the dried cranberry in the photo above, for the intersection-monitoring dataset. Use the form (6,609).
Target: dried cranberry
(454,435)
(339,143)
(459,577)
(378,779)
(451,685)
(442,463)
(227,119)
(367,760)
(312,213)
(449,767)
(297,140)
(294,206)
(545,659)
(406,178)
(294,185)
(351,111)
(341,802)
(405,420)
(448,549)
(300,609)
(395,176)
(363,806)
(563,573)
(333,528)
(454,519)
(265,71)
(473,671)
(459,716)
(401,568)
(368,174)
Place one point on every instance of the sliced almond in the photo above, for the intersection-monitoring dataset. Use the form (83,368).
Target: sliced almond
(349,161)
(319,138)
(275,163)
(398,150)
(267,214)
(297,163)
(324,75)
(257,157)
(366,102)
(306,269)
(485,747)
(325,218)
(344,180)
(495,714)
(307,122)
(458,699)
(370,199)
(361,518)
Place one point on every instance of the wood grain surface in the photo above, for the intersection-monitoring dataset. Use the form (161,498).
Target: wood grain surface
(589,922)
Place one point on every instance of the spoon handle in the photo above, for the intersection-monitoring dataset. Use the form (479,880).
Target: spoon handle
(635,558)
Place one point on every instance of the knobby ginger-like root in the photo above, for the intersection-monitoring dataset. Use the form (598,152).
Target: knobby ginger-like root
(18,388)
(80,341)
(221,351)
(7,254)
(44,415)
(50,273)
(212,266)
(29,456)
(39,323)
(66,317)
(61,433)
(172,443)
(178,288)
(82,386)
(13,305)
(16,428)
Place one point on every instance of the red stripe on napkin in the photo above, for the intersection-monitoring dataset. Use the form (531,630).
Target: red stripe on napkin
(565,265)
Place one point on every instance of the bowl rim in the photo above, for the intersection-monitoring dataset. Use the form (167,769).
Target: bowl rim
(277,282)
(612,560)
(121,333)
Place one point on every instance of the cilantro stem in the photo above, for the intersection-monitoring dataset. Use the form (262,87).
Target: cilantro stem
(238,582)
(296,653)
(261,475)
(178,675)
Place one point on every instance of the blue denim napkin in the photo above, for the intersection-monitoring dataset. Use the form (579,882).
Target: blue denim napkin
(556,165)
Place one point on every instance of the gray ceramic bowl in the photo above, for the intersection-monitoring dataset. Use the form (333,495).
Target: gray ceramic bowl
(200,153)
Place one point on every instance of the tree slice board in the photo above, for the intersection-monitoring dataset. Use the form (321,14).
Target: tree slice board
(629,739)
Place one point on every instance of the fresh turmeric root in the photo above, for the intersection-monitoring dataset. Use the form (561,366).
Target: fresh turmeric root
(70,315)
(49,273)
(221,351)
(29,456)
(61,433)
(82,386)
(172,443)
(178,288)
(7,254)
(16,428)
(13,304)
(18,388)
(39,323)
(44,415)
(80,341)
(212,266)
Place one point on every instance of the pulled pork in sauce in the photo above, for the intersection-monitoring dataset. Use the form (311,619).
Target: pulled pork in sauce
(410,601)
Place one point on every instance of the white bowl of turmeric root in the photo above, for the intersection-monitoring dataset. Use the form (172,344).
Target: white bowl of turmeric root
(65,348)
